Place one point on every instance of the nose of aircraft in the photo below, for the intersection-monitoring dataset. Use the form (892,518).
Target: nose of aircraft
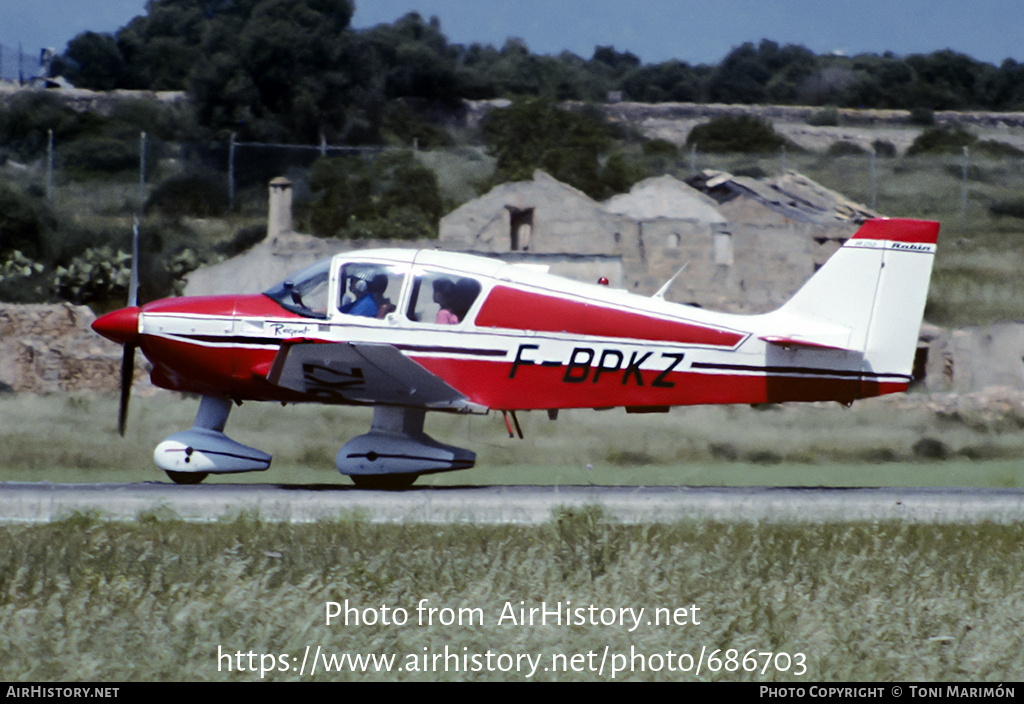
(120,326)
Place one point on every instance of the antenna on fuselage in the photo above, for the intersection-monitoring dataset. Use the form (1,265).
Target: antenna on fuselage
(664,289)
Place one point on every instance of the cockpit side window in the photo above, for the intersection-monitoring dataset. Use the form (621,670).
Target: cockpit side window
(369,290)
(306,292)
(441,298)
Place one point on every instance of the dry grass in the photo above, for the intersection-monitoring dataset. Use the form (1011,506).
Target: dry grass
(89,600)
(82,600)
(881,442)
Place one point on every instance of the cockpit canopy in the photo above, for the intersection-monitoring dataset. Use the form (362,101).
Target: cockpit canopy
(373,290)
(305,293)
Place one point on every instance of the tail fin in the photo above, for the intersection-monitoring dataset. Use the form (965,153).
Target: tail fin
(869,297)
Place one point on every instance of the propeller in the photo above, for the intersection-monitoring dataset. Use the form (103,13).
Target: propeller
(127,375)
(128,357)
(122,326)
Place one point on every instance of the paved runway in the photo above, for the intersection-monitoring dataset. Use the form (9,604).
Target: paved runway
(42,502)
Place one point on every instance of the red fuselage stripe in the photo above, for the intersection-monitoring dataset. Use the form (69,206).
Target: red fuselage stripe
(497,385)
(513,309)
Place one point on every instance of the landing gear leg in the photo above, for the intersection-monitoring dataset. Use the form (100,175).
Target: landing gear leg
(189,457)
(396,451)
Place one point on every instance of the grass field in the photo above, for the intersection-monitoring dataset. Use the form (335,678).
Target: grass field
(909,441)
(82,600)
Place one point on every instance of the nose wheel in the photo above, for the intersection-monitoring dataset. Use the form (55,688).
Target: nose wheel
(186,477)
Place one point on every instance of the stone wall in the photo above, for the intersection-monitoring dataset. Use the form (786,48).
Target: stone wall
(51,348)
(976,357)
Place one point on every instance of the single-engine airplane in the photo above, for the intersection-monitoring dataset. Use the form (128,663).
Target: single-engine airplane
(409,331)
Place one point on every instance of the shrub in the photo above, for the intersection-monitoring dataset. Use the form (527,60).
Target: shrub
(100,156)
(22,279)
(931,449)
(826,117)
(24,224)
(660,147)
(942,140)
(403,223)
(998,149)
(243,240)
(922,116)
(1013,208)
(194,194)
(393,194)
(96,275)
(27,118)
(742,133)
(535,134)
(844,148)
(407,127)
(884,148)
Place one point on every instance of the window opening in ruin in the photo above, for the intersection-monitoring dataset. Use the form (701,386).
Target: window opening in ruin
(723,248)
(920,365)
(520,228)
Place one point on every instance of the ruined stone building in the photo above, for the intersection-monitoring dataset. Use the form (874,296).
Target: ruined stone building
(737,244)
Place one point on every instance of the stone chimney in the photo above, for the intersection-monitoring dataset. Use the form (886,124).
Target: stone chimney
(279,220)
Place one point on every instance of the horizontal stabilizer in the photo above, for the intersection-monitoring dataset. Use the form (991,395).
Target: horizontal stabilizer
(867,299)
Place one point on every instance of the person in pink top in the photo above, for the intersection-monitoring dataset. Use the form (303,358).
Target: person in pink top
(442,292)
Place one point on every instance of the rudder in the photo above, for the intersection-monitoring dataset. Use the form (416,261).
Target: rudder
(869,297)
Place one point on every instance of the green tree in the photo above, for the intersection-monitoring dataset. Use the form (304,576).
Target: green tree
(27,118)
(534,134)
(93,60)
(24,224)
(740,133)
(390,195)
(670,81)
(417,59)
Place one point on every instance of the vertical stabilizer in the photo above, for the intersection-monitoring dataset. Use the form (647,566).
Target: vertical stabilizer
(869,297)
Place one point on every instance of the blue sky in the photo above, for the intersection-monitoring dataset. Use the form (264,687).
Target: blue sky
(696,31)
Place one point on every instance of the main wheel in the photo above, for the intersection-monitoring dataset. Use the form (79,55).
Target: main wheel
(186,477)
(384,482)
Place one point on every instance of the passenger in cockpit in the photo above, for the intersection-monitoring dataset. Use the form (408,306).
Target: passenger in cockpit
(442,294)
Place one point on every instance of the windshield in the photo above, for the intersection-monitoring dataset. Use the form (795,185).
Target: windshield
(304,293)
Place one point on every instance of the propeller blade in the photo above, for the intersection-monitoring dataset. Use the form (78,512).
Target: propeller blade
(127,376)
(133,286)
(128,359)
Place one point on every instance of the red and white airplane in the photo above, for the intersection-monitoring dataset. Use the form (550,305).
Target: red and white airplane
(414,331)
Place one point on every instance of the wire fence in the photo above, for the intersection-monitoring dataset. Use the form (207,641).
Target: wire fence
(234,164)
(875,181)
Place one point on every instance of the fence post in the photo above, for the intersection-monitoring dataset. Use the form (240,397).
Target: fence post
(874,179)
(963,189)
(142,171)
(49,166)
(231,173)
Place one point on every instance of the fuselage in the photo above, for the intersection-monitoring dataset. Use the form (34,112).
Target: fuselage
(522,339)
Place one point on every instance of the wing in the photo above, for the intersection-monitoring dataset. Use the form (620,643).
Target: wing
(361,373)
